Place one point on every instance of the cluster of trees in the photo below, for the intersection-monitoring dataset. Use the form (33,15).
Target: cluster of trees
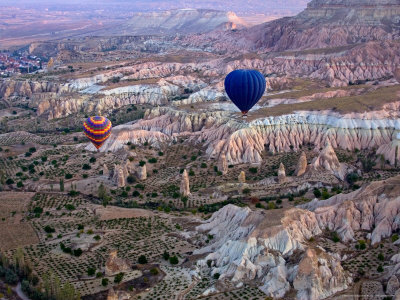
(19,269)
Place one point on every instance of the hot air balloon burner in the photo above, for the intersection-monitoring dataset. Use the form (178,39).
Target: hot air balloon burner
(244,114)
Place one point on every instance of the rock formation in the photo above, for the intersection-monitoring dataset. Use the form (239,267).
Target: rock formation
(392,286)
(115,265)
(281,174)
(223,165)
(259,246)
(327,160)
(185,188)
(242,177)
(141,172)
(245,142)
(254,246)
(301,165)
(106,172)
(118,295)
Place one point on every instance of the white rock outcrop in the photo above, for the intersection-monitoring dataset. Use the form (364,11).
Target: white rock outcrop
(281,174)
(301,167)
(185,187)
(327,160)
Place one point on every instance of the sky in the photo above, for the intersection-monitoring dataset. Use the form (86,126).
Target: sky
(238,6)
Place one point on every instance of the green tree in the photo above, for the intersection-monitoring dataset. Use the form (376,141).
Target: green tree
(173,260)
(61,185)
(104,282)
(118,278)
(142,260)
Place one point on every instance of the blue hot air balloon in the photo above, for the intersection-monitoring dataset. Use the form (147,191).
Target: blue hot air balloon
(245,88)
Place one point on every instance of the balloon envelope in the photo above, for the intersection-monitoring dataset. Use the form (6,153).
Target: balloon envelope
(245,88)
(97,129)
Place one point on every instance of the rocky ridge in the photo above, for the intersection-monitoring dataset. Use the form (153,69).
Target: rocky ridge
(272,248)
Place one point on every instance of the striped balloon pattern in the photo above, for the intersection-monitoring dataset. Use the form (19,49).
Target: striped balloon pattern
(97,129)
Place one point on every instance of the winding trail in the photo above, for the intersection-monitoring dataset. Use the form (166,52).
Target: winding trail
(182,294)
(20,293)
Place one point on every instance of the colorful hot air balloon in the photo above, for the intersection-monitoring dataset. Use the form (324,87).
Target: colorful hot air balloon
(245,88)
(97,129)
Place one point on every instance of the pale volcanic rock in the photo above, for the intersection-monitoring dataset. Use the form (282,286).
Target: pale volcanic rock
(373,208)
(141,172)
(243,142)
(106,172)
(301,165)
(115,265)
(26,88)
(118,295)
(319,276)
(119,177)
(327,160)
(223,165)
(185,187)
(242,177)
(392,286)
(252,246)
(281,174)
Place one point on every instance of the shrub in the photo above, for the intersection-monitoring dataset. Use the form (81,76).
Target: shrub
(380,269)
(154,271)
(246,191)
(99,274)
(173,260)
(381,257)
(131,179)
(86,167)
(152,160)
(166,255)
(135,194)
(142,163)
(216,275)
(32,149)
(395,237)
(317,193)
(193,158)
(97,237)
(44,158)
(20,184)
(27,154)
(68,176)
(160,153)
(142,260)
(91,271)
(335,237)
(191,173)
(69,206)
(203,165)
(38,210)
(78,252)
(92,160)
(104,282)
(362,244)
(139,186)
(9,181)
(49,229)
(253,170)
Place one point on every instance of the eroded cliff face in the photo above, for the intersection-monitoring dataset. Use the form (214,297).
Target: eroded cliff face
(243,142)
(251,246)
(272,249)
(27,88)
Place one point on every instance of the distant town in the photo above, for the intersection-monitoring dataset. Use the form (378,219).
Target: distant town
(16,63)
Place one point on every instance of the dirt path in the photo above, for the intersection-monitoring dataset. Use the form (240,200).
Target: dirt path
(182,294)
(20,293)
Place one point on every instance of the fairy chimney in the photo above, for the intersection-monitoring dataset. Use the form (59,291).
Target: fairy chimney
(185,188)
(301,165)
